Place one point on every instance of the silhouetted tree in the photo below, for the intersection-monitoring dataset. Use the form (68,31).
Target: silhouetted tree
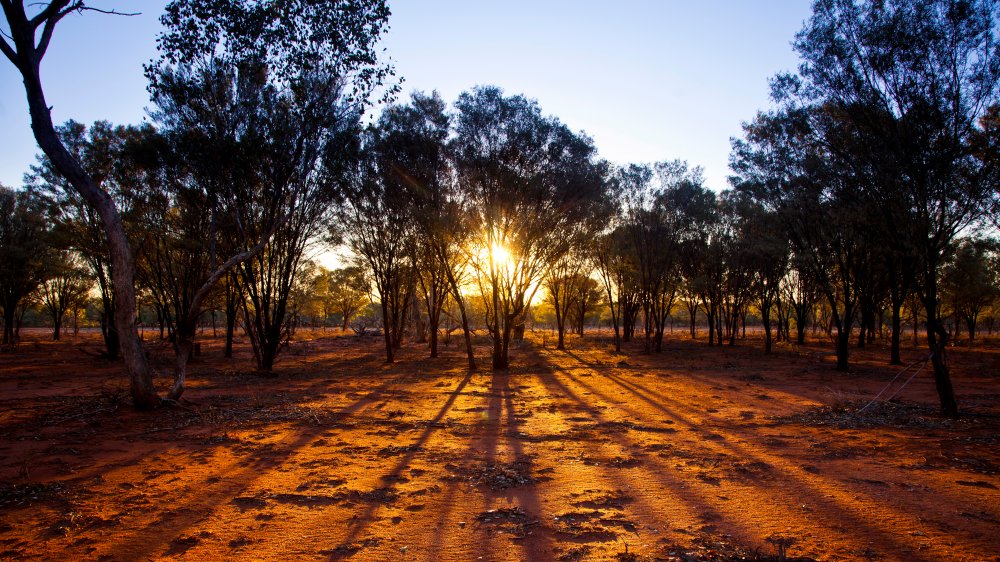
(588,299)
(969,280)
(307,71)
(785,166)
(99,149)
(23,253)
(911,81)
(412,152)
(766,252)
(376,222)
(66,287)
(30,36)
(801,294)
(616,271)
(563,284)
(533,189)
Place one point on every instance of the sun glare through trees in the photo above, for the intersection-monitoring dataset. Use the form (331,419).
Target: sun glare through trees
(524,350)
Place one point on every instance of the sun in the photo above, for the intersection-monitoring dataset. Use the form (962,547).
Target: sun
(501,257)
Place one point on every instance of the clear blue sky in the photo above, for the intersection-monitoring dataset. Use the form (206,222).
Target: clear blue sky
(648,80)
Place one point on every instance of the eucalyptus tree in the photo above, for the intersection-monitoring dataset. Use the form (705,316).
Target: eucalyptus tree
(766,250)
(698,207)
(735,265)
(377,226)
(314,50)
(800,292)
(66,286)
(563,283)
(707,278)
(306,73)
(587,301)
(180,263)
(100,150)
(969,280)
(347,292)
(199,168)
(533,190)
(31,27)
(23,251)
(654,226)
(783,164)
(912,80)
(617,276)
(412,152)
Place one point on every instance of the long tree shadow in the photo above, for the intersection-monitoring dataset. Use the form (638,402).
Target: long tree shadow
(360,522)
(696,505)
(205,498)
(794,483)
(526,497)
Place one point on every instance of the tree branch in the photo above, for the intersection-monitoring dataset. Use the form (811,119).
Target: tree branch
(231,263)
(8,51)
(51,10)
(108,12)
(50,25)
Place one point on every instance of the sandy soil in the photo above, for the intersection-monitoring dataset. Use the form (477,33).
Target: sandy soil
(695,454)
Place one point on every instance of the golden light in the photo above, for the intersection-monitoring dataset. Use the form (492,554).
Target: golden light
(501,258)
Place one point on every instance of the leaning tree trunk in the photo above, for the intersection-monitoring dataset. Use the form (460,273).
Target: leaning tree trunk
(937,339)
(466,331)
(140,374)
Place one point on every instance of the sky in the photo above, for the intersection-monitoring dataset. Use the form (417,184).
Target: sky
(648,80)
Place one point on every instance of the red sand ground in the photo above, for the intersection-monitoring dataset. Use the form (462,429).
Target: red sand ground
(695,454)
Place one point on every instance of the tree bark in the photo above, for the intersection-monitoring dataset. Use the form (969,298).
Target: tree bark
(28,59)
(765,317)
(387,332)
(937,339)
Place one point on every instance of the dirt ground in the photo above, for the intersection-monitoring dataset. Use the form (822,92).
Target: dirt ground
(695,454)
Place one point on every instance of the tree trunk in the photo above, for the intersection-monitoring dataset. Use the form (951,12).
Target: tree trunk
(501,340)
(560,323)
(843,347)
(8,326)
(183,346)
(419,327)
(466,331)
(387,332)
(897,327)
(765,317)
(937,338)
(57,319)
(137,367)
(231,311)
(711,328)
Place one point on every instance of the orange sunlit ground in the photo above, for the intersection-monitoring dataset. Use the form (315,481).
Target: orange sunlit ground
(696,454)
